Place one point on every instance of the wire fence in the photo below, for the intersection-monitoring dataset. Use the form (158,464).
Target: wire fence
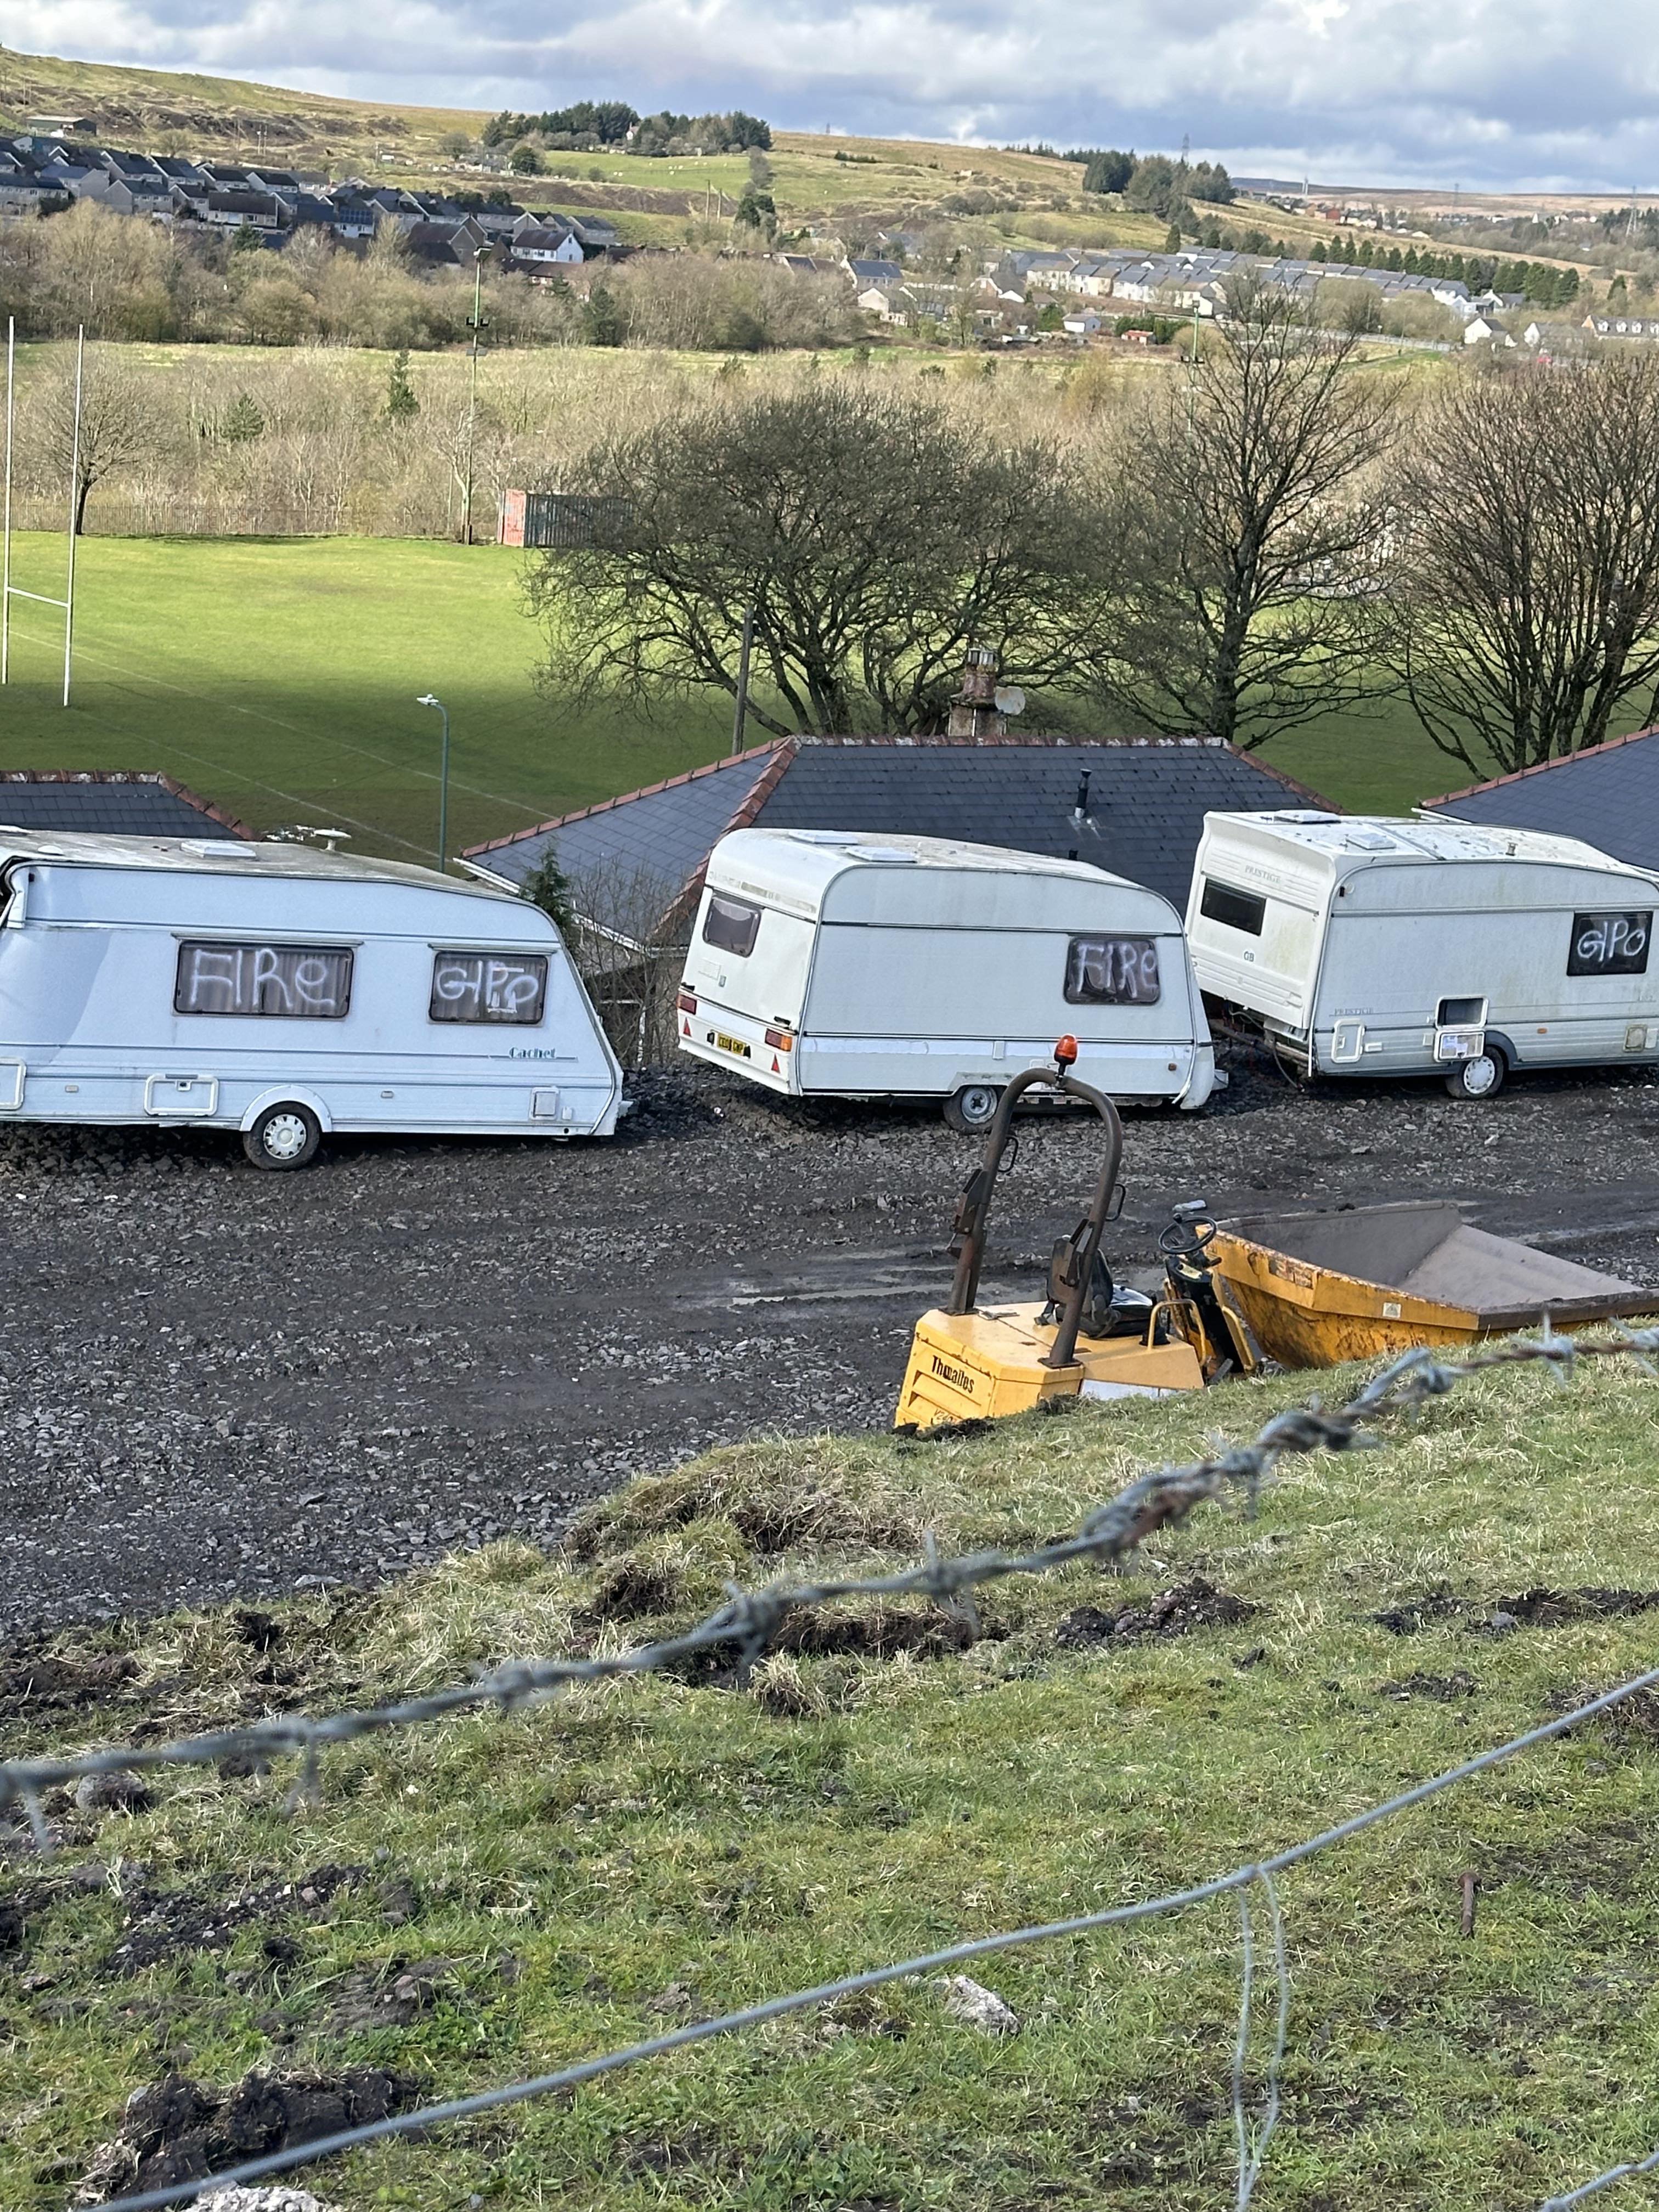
(747,1625)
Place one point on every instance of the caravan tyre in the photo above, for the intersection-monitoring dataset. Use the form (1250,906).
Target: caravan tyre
(285,1136)
(974,1107)
(1482,1077)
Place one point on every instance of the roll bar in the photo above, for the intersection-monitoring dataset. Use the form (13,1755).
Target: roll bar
(974,1207)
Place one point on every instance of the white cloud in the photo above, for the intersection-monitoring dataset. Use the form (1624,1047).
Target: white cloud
(1480,91)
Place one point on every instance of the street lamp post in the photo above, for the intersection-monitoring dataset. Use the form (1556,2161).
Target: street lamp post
(427,699)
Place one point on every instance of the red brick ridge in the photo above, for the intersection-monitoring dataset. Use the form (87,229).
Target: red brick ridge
(1541,768)
(122,775)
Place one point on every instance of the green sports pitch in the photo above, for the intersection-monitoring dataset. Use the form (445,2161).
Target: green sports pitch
(279,678)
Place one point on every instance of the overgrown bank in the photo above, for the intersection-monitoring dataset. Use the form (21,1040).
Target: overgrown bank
(502,1895)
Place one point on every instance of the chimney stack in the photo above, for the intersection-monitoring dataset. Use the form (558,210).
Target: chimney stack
(974,711)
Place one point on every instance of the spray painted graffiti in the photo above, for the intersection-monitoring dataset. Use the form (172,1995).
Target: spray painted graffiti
(1112,971)
(490,987)
(308,982)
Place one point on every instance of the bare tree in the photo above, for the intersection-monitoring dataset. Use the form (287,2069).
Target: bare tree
(118,425)
(874,536)
(1248,545)
(1528,605)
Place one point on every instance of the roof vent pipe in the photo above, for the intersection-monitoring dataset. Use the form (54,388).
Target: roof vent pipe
(1080,810)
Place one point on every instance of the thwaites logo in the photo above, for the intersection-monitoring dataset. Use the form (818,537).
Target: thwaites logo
(958,1378)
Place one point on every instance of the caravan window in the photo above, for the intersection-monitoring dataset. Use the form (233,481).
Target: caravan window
(489,986)
(1237,909)
(1111,971)
(1609,945)
(730,923)
(300,982)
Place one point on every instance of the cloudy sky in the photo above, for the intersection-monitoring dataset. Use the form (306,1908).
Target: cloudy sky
(1527,93)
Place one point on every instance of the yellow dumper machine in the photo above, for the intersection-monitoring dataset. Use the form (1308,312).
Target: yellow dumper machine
(1304,1290)
(1087,1338)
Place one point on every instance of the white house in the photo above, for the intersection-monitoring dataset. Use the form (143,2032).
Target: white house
(544,245)
(891,303)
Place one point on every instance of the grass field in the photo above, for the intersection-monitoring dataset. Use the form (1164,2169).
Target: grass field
(509,1895)
(279,678)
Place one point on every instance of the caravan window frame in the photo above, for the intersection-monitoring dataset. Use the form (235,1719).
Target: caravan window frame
(733,904)
(283,949)
(1217,895)
(1589,927)
(530,1017)
(1126,958)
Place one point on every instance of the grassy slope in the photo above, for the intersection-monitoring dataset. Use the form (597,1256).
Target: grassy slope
(643,1852)
(210,114)
(279,677)
(202,114)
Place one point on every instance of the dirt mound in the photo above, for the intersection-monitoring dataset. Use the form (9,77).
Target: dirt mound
(1634,1719)
(33,1680)
(1530,1608)
(158,1925)
(181,2130)
(1445,1689)
(877,1632)
(1177,1612)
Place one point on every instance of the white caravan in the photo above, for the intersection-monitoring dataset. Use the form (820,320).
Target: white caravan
(828,963)
(283,992)
(1373,947)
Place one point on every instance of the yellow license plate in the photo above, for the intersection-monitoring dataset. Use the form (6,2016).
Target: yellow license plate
(731,1044)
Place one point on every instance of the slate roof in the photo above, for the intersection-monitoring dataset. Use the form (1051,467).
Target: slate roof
(1146,803)
(110,803)
(1608,795)
(665,832)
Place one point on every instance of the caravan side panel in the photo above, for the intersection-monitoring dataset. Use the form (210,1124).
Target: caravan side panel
(925,1010)
(1404,941)
(98,1003)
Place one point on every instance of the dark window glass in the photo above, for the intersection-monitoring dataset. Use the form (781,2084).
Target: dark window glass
(490,987)
(1237,909)
(300,982)
(1111,971)
(1609,945)
(730,923)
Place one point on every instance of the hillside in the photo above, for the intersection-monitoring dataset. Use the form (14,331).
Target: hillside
(493,1897)
(820,179)
(164,111)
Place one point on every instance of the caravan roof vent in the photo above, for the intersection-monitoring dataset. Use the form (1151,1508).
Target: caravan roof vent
(890,854)
(1370,841)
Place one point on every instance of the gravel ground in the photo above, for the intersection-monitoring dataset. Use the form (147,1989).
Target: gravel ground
(221,1383)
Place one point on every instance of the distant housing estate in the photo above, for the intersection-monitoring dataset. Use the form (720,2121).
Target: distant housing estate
(40,174)
(1194,279)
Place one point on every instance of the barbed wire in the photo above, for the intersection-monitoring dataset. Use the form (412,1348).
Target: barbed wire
(426,2117)
(750,1620)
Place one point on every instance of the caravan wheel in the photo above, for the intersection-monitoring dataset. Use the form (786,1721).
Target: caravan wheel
(974,1107)
(285,1136)
(1482,1077)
